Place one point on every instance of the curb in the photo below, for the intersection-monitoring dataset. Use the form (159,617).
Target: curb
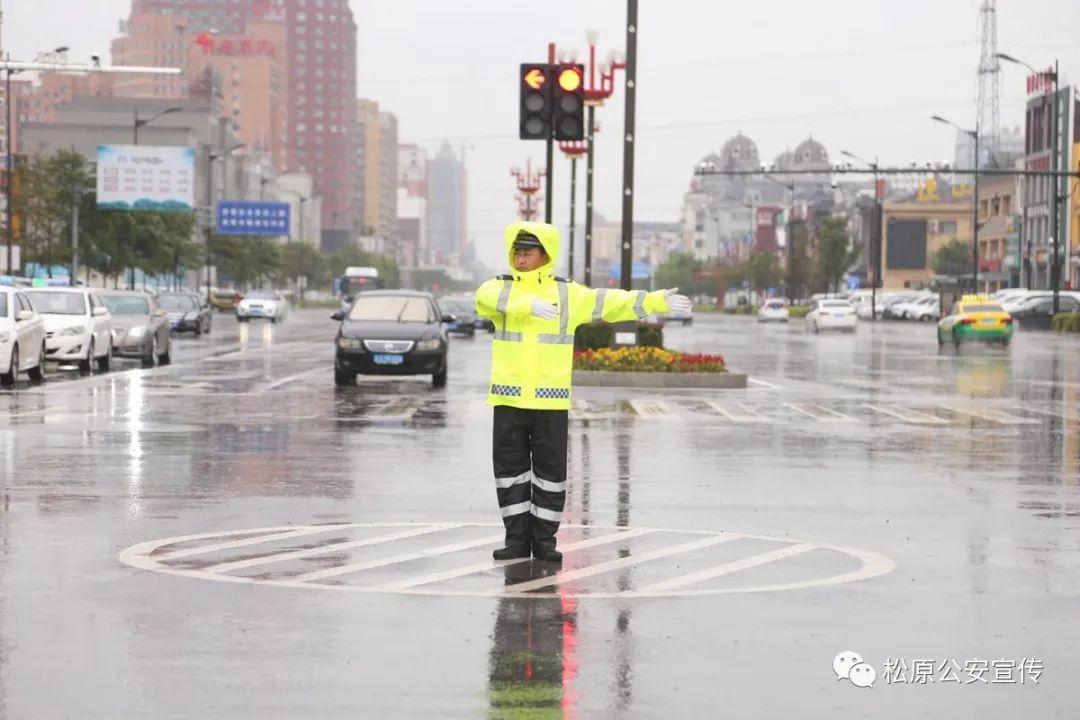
(598,378)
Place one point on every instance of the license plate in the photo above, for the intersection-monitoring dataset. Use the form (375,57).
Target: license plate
(452,326)
(988,321)
(389,359)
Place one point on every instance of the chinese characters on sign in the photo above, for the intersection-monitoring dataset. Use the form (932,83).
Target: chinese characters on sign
(901,671)
(145,177)
(253,218)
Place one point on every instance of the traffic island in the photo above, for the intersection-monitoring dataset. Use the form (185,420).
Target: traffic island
(653,367)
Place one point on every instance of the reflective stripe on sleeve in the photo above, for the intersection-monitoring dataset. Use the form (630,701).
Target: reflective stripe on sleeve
(639,306)
(518,509)
(543,514)
(506,482)
(555,339)
(598,310)
(509,336)
(564,308)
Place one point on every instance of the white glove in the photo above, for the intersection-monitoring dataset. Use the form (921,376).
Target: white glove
(677,303)
(544,310)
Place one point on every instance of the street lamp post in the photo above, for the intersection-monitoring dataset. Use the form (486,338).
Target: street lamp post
(141,122)
(596,92)
(211,156)
(1053,76)
(528,184)
(975,212)
(573,151)
(789,230)
(875,233)
(9,178)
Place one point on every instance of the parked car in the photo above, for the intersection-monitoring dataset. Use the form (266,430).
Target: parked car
(140,327)
(831,314)
(917,308)
(890,309)
(774,311)
(187,312)
(268,304)
(22,338)
(78,327)
(391,332)
(1038,312)
(975,318)
(464,312)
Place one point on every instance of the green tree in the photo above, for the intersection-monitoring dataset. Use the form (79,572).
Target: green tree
(764,270)
(835,253)
(952,258)
(681,271)
(303,259)
(354,256)
(797,273)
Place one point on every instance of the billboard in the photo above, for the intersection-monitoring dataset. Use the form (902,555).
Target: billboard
(146,177)
(236,217)
(905,247)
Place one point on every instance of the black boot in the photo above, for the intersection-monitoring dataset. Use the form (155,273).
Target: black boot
(512,551)
(546,552)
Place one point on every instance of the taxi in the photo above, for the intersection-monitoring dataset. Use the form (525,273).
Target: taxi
(978,318)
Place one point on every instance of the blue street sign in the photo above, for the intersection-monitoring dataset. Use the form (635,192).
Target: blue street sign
(236,217)
(853,283)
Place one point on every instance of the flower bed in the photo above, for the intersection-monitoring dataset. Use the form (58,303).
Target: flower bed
(649,360)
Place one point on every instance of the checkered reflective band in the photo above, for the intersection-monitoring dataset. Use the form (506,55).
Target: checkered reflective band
(507,390)
(553,393)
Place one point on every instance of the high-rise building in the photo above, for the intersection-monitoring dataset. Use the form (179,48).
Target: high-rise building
(446,207)
(152,39)
(376,169)
(412,204)
(320,41)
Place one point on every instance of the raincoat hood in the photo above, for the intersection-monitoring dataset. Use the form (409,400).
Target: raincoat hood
(548,235)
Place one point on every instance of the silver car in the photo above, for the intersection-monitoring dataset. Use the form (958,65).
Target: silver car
(140,328)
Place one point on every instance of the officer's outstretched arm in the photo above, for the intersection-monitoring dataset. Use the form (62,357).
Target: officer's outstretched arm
(492,296)
(594,305)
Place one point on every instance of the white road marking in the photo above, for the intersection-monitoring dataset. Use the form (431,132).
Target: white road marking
(762,383)
(750,416)
(913,417)
(203,549)
(992,415)
(828,416)
(1055,415)
(729,568)
(404,557)
(589,570)
(653,409)
(326,549)
(481,567)
(291,378)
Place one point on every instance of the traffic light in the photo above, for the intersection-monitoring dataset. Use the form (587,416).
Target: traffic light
(568,121)
(535,102)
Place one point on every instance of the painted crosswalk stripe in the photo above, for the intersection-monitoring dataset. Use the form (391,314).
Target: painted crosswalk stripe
(729,568)
(596,569)
(481,567)
(395,559)
(748,416)
(246,542)
(827,414)
(652,409)
(762,383)
(1054,415)
(992,416)
(328,549)
(913,417)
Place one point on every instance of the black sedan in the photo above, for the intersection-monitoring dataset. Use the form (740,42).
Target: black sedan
(391,332)
(1038,312)
(187,312)
(464,312)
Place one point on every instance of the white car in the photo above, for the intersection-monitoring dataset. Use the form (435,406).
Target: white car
(773,311)
(686,318)
(920,308)
(78,327)
(22,338)
(831,314)
(267,304)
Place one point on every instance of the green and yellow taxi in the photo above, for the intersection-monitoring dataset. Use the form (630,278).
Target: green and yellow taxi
(975,318)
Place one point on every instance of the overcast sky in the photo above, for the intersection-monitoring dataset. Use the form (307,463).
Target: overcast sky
(860,75)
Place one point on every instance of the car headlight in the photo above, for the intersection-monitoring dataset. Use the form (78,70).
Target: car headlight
(350,343)
(428,345)
(137,331)
(72,331)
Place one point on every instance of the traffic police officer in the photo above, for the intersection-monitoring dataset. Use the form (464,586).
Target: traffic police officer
(535,315)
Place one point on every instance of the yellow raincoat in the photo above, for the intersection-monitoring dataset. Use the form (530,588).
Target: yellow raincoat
(531,358)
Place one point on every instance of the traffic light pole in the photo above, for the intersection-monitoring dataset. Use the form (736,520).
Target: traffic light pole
(591,130)
(628,146)
(573,209)
(550,178)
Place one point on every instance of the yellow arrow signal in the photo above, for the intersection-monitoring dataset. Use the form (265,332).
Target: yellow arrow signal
(535,78)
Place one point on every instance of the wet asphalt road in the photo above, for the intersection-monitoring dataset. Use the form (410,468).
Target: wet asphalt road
(231,537)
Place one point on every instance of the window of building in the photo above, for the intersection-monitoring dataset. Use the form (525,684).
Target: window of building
(947,227)
(301,17)
(1006,205)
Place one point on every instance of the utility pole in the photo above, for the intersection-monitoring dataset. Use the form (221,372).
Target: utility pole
(1055,225)
(550,157)
(628,145)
